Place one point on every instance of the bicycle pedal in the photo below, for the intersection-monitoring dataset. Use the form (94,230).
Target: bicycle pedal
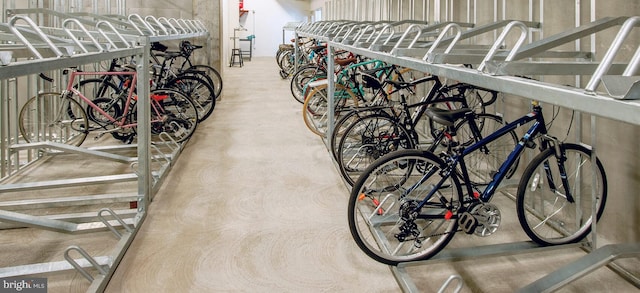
(468,222)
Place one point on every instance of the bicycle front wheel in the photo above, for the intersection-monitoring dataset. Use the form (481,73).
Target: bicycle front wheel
(385,216)
(315,110)
(553,210)
(368,139)
(48,117)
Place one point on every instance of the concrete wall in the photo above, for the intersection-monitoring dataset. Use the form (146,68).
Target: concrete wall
(206,11)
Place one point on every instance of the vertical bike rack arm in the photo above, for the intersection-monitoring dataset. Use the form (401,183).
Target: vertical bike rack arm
(345,38)
(39,32)
(387,27)
(436,43)
(417,28)
(608,58)
(152,19)
(113,29)
(168,24)
(363,32)
(65,24)
(186,26)
(177,25)
(198,25)
(133,18)
(78,267)
(496,45)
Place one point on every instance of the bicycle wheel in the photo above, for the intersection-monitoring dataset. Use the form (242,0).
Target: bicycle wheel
(315,111)
(544,210)
(213,74)
(177,116)
(368,139)
(198,90)
(301,78)
(94,88)
(484,162)
(42,118)
(343,124)
(384,215)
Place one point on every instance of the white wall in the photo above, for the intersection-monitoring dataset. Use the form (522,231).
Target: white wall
(267,22)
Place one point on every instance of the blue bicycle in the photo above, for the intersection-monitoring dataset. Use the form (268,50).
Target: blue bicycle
(408,205)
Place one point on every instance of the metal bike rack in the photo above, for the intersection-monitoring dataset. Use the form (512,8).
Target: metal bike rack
(80,38)
(500,71)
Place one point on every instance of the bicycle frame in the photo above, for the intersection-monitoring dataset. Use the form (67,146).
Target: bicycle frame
(537,128)
(121,122)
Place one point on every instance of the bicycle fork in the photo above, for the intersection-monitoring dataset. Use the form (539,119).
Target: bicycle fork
(561,158)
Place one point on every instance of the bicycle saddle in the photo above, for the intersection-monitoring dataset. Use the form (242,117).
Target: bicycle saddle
(346,61)
(317,49)
(446,117)
(370,81)
(170,54)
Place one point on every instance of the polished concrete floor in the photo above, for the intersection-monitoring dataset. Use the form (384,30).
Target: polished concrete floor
(255,204)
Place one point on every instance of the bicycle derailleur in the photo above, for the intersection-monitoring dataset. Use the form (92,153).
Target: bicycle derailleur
(482,219)
(409,230)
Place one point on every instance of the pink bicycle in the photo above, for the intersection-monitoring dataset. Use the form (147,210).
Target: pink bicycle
(68,117)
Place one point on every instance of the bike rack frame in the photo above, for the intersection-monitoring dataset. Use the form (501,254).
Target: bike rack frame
(499,70)
(38,49)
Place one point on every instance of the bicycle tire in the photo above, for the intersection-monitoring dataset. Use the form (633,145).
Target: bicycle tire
(180,115)
(37,115)
(301,78)
(315,107)
(368,139)
(213,74)
(381,201)
(198,90)
(344,122)
(570,222)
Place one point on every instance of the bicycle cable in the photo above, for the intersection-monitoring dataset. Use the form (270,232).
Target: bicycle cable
(556,112)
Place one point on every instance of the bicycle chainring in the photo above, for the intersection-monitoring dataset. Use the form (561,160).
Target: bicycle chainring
(488,219)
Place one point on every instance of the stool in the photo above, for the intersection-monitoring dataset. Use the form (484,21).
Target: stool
(236,53)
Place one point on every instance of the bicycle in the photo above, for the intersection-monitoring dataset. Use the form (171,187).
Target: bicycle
(58,117)
(389,128)
(194,83)
(409,204)
(348,93)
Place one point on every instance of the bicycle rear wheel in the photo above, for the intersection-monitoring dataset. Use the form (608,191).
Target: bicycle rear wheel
(178,116)
(198,90)
(48,117)
(384,218)
(213,74)
(544,211)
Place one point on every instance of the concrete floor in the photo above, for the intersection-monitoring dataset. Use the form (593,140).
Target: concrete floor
(255,204)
